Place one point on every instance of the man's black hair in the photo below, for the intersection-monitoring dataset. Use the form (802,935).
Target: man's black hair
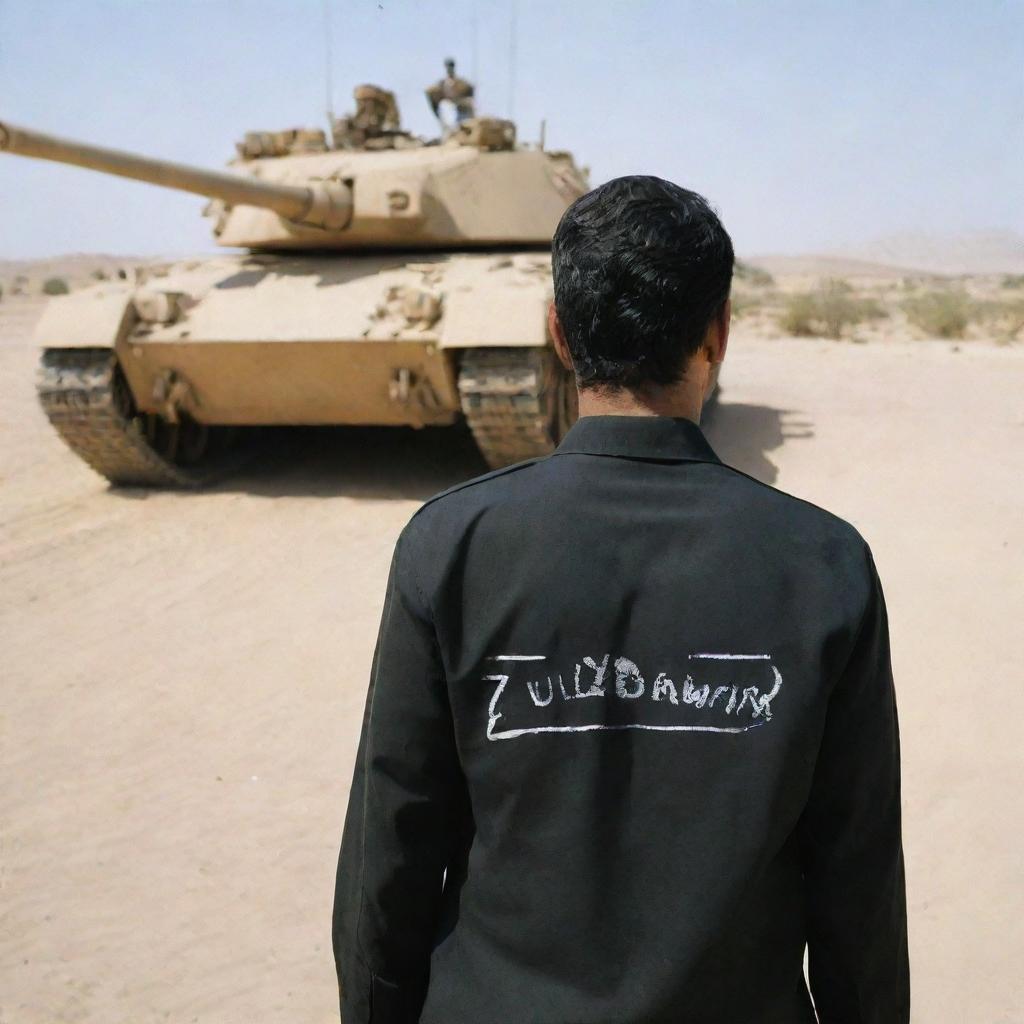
(642,267)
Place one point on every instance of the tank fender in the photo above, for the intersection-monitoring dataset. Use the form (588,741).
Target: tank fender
(98,317)
(507,318)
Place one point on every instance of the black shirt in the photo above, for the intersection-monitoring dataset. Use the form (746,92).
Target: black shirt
(630,743)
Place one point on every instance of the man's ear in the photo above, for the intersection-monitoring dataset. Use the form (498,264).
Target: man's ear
(558,337)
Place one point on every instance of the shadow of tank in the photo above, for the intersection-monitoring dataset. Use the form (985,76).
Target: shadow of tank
(744,436)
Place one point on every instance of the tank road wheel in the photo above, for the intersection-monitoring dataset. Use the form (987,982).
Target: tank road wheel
(519,402)
(85,396)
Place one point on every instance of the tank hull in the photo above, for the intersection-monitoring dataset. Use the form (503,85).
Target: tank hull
(264,340)
(142,377)
(300,383)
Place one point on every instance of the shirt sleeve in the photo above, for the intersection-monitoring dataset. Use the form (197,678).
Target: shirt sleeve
(398,831)
(850,840)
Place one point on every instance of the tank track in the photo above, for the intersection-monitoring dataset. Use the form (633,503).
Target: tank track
(86,399)
(516,402)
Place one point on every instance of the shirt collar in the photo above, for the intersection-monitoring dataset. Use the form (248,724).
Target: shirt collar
(637,437)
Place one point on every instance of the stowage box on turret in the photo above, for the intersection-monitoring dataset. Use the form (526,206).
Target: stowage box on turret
(388,281)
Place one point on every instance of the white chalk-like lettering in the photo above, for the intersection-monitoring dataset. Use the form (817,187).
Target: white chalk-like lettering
(493,714)
(664,687)
(534,688)
(597,684)
(512,713)
(719,691)
(695,694)
(749,693)
(763,706)
(732,701)
(565,694)
(731,657)
(625,671)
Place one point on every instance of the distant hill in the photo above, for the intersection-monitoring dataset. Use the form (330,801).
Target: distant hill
(977,252)
(827,266)
(72,264)
(990,252)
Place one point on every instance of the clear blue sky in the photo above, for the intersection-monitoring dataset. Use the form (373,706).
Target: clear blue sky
(809,125)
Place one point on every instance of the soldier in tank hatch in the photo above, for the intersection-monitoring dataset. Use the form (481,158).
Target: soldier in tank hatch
(454,90)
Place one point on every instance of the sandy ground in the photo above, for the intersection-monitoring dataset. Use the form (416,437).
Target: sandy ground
(183,677)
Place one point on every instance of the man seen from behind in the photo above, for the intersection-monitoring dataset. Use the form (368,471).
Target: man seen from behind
(630,743)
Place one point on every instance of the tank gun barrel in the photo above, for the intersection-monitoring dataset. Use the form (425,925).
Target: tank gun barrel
(325,204)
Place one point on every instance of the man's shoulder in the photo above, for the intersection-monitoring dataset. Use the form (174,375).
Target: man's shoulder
(762,498)
(484,489)
(794,532)
(752,508)
(446,518)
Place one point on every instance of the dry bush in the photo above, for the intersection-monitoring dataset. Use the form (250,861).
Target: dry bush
(745,303)
(1013,281)
(799,315)
(1002,320)
(940,314)
(55,286)
(837,308)
(828,311)
(1012,327)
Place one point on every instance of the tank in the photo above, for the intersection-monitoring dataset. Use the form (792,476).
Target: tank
(383,280)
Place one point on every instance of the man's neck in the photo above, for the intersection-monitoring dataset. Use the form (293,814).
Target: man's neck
(682,401)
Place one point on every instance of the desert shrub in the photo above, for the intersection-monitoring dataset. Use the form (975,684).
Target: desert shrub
(745,303)
(837,307)
(984,311)
(841,309)
(828,311)
(1013,326)
(1001,320)
(1013,281)
(55,286)
(754,276)
(799,315)
(99,274)
(942,314)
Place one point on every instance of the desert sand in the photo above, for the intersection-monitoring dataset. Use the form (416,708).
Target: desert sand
(183,677)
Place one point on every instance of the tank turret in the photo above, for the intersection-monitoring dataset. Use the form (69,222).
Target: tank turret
(474,190)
